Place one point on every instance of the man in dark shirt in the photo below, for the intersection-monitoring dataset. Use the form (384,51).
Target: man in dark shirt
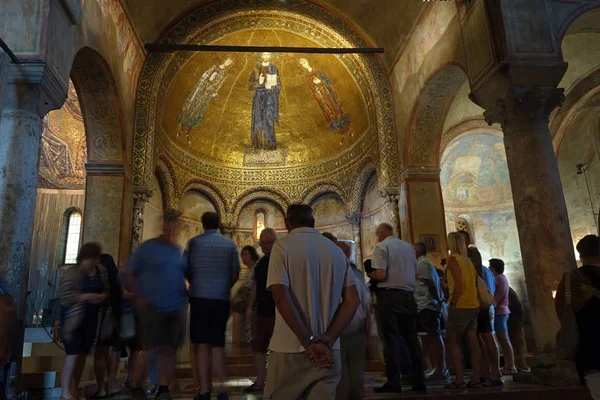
(265,310)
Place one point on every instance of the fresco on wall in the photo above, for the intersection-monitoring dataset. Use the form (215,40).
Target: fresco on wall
(192,206)
(477,198)
(330,216)
(246,232)
(374,212)
(63,151)
(128,47)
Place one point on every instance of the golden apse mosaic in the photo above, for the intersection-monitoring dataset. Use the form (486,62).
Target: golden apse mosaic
(282,123)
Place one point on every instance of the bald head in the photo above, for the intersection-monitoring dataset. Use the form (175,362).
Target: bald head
(345,246)
(267,238)
(384,231)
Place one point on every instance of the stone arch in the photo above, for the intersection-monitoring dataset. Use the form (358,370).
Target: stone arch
(465,127)
(208,190)
(100,106)
(429,115)
(581,95)
(280,199)
(359,187)
(566,20)
(168,184)
(312,192)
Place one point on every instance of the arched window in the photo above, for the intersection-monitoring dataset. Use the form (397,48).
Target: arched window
(72,235)
(260,223)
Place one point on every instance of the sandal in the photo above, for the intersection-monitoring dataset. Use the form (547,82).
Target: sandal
(472,385)
(454,385)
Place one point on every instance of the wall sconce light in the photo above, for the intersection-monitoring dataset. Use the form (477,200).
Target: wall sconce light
(554,294)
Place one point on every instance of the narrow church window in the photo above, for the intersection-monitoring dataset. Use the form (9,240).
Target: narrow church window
(73,237)
(259,224)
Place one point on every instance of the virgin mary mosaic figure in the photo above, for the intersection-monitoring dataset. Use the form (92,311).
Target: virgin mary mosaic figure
(197,102)
(322,90)
(266,84)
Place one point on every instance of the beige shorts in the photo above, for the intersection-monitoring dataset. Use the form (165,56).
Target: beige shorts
(292,376)
(462,320)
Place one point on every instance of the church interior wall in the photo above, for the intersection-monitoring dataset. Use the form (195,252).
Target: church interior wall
(330,216)
(426,51)
(374,212)
(581,146)
(191,207)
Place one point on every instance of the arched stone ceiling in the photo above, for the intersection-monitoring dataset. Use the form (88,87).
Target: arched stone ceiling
(386,24)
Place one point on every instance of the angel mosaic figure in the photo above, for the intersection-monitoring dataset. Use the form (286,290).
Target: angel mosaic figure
(206,90)
(320,85)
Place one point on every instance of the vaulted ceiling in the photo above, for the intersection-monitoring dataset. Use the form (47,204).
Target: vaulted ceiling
(386,23)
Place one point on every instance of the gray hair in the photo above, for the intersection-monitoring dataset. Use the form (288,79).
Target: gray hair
(269,231)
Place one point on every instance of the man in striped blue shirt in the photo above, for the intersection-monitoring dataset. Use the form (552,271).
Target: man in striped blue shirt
(214,267)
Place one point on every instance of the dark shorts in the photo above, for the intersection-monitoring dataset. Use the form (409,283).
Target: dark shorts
(161,328)
(429,321)
(485,321)
(462,320)
(208,321)
(263,330)
(501,323)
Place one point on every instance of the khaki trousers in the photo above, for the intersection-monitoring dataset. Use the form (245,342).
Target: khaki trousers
(292,376)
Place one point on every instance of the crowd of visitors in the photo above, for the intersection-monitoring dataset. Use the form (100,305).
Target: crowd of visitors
(310,308)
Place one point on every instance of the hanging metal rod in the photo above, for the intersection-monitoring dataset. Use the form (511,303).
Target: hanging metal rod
(7,50)
(169,48)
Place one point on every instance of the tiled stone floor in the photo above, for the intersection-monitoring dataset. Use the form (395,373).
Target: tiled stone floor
(510,391)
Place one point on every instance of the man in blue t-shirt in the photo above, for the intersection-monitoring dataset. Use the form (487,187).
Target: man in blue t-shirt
(157,276)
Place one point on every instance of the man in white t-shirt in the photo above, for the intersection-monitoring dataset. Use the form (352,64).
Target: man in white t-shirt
(316,298)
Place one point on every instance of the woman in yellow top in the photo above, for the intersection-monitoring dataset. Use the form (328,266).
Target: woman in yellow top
(463,312)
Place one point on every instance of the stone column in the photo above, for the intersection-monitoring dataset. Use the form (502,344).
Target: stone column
(540,208)
(355,219)
(27,93)
(392,198)
(141,196)
(424,217)
(228,230)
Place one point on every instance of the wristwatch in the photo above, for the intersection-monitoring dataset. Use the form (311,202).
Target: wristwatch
(309,341)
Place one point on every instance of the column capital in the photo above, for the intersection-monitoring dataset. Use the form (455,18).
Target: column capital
(524,106)
(420,173)
(390,194)
(228,229)
(142,194)
(355,218)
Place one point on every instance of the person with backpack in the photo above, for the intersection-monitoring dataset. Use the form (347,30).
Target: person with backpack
(585,302)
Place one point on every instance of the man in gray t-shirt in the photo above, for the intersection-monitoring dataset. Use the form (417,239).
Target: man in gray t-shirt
(428,295)
(316,298)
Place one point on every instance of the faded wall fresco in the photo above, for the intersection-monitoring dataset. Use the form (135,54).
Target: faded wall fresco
(477,197)
(579,146)
(192,206)
(330,216)
(153,213)
(374,212)
(127,45)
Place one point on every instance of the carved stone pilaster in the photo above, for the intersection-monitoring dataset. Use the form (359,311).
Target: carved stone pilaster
(355,219)
(140,198)
(391,196)
(227,230)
